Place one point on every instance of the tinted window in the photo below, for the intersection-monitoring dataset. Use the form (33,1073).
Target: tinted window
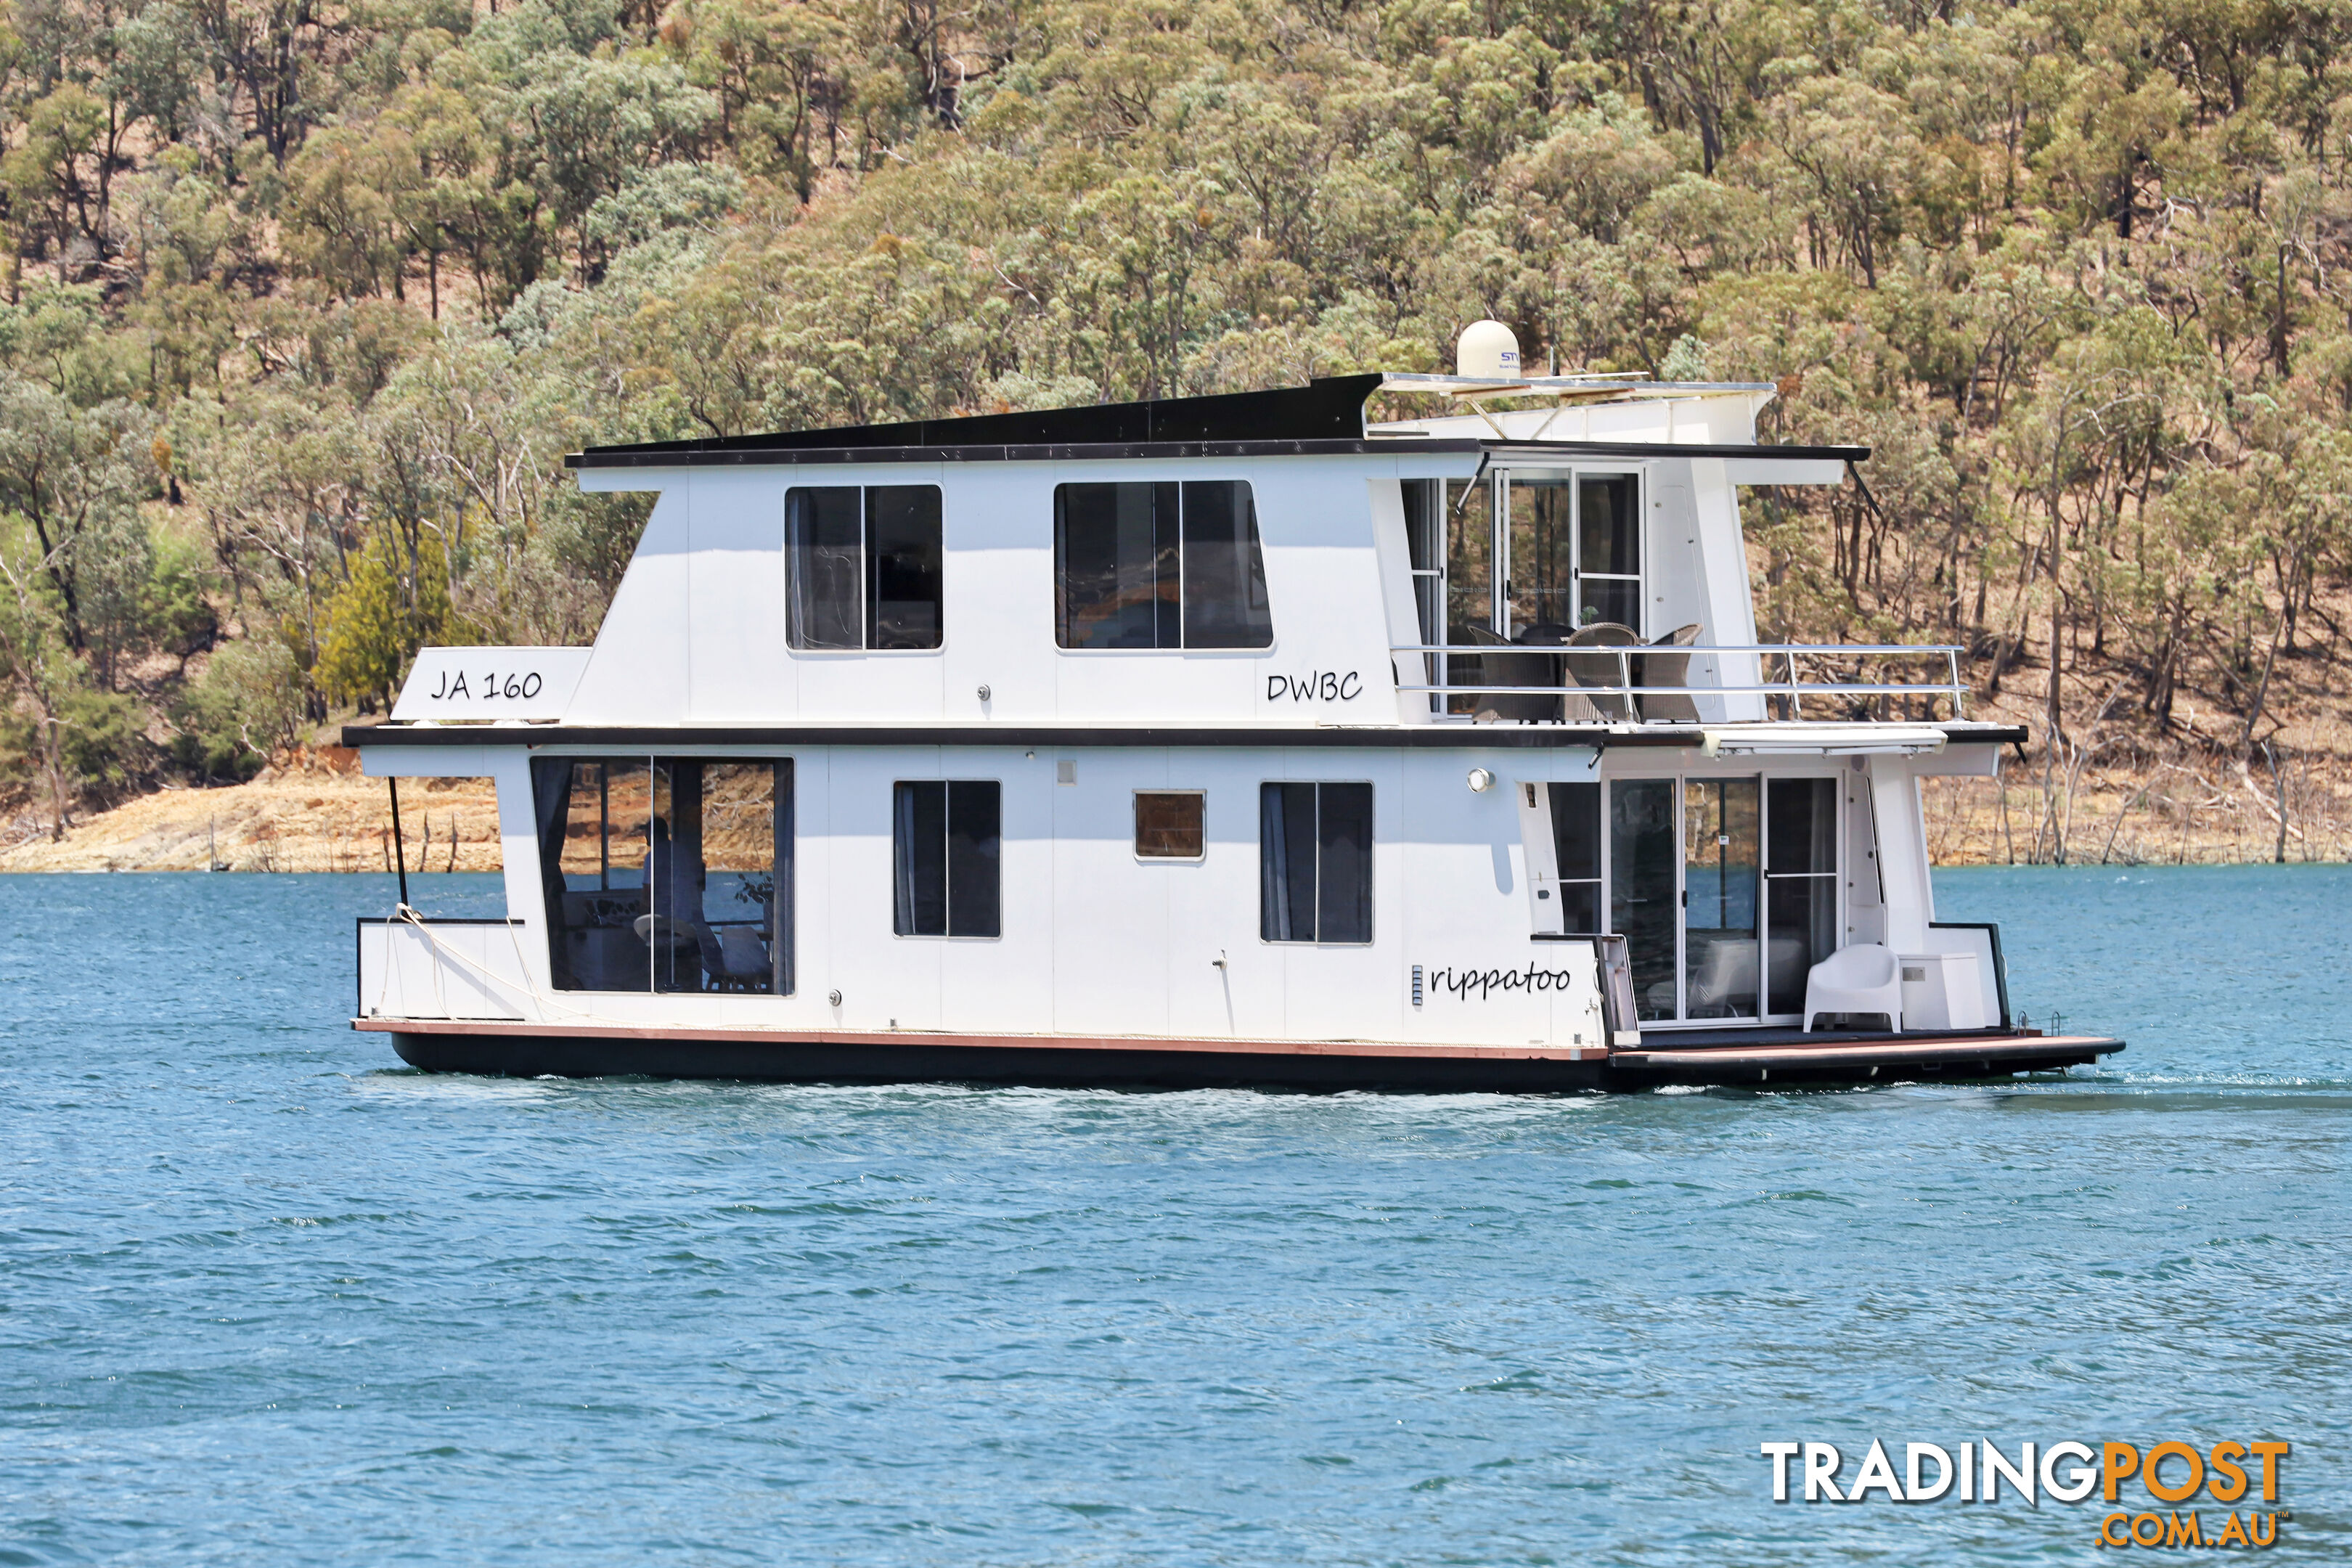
(670,875)
(946,842)
(1115,561)
(904,575)
(1225,571)
(1576,847)
(1315,862)
(1159,566)
(825,545)
(864,566)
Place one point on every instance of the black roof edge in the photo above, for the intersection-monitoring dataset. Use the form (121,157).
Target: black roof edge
(1677,449)
(765,456)
(756,457)
(1407,737)
(1326,408)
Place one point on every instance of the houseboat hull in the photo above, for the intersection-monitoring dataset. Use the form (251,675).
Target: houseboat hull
(1749,1059)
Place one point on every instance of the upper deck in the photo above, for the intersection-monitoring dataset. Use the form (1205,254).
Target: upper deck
(1252,563)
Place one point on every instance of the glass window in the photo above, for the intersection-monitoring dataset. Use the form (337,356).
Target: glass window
(1159,566)
(1719,895)
(1168,824)
(1609,550)
(1225,571)
(947,846)
(1424,534)
(905,576)
(1469,559)
(1469,524)
(865,566)
(1115,569)
(1643,852)
(1543,580)
(1576,849)
(1799,885)
(666,874)
(1315,862)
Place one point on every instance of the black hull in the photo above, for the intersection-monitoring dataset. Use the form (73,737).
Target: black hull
(1835,1061)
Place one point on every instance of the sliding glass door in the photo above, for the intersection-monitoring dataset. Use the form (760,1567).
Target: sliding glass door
(1726,890)
(1720,847)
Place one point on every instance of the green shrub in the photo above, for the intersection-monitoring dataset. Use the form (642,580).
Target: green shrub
(245,705)
(104,740)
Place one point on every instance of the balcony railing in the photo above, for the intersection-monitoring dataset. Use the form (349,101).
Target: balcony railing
(1799,668)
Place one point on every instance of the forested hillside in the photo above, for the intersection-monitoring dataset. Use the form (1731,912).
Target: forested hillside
(305,299)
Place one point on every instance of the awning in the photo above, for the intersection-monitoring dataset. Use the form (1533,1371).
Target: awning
(1803,739)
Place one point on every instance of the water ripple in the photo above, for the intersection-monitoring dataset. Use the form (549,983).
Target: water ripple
(268,1297)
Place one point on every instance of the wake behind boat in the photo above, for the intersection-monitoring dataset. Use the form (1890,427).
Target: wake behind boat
(1206,740)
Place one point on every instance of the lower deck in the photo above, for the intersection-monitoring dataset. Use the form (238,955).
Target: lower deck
(1340,909)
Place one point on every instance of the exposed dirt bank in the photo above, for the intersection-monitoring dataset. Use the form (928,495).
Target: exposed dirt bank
(313,812)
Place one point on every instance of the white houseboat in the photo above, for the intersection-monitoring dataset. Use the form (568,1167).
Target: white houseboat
(1214,740)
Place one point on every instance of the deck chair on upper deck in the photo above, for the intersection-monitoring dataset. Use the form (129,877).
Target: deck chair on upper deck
(1668,670)
(1514,669)
(1597,668)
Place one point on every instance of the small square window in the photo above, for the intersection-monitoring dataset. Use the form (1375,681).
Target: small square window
(1168,824)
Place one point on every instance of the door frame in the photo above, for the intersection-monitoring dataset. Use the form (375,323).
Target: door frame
(1498,536)
(1764,777)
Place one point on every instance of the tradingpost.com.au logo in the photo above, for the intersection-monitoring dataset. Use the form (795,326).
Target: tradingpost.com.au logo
(2169,1473)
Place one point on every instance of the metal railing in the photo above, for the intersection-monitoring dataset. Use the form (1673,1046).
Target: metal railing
(1792,689)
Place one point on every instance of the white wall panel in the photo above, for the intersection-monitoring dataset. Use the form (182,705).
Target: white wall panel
(638,672)
(737,671)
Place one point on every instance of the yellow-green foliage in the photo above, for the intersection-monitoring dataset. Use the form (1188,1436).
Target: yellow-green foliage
(2073,268)
(396,601)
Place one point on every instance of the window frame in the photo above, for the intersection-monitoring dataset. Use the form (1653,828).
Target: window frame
(947,897)
(1841,906)
(1136,810)
(1371,861)
(1274,635)
(1453,514)
(780,930)
(865,573)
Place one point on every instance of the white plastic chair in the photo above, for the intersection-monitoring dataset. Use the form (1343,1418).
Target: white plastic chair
(1864,978)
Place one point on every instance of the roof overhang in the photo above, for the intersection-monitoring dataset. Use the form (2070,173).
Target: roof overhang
(1744,465)
(1059,452)
(1803,739)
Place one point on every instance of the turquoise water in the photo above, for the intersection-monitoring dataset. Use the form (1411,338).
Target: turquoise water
(268,1297)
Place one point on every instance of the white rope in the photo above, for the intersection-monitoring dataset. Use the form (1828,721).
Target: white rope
(403,914)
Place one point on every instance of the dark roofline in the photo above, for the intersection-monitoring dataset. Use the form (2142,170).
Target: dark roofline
(1326,409)
(681,739)
(676,455)
(665,457)
(1670,449)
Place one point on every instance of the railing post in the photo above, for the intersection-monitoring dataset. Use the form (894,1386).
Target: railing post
(1794,712)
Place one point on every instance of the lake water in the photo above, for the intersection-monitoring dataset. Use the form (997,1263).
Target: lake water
(268,1296)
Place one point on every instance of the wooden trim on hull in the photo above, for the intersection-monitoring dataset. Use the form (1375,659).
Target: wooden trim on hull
(523,1050)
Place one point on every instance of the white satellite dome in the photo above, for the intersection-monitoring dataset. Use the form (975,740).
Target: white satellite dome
(1488,350)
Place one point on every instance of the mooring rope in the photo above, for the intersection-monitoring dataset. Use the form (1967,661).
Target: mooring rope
(402,914)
